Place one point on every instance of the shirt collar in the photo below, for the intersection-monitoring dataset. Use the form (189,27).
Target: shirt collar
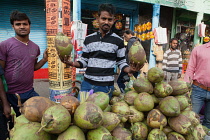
(108,33)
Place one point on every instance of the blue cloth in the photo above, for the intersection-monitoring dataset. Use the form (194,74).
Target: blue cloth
(121,82)
(86,86)
(200,96)
(24,96)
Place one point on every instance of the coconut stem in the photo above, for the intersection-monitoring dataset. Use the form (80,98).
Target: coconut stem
(161,127)
(109,91)
(44,126)
(19,100)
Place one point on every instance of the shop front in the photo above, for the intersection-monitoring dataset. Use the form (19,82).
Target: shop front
(126,14)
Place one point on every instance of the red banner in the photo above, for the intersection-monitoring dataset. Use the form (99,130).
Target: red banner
(52,17)
(66,17)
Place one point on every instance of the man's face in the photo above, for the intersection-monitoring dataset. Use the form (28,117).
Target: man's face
(22,27)
(127,36)
(105,21)
(174,44)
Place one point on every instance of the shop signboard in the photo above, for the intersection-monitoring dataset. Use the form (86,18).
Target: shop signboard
(192,5)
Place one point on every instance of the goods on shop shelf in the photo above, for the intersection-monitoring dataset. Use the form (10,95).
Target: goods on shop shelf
(143,31)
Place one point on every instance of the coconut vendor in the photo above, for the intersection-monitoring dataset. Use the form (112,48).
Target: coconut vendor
(130,38)
(172,61)
(18,57)
(197,73)
(101,51)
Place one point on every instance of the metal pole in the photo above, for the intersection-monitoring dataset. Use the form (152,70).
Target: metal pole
(155,24)
(198,21)
(76,10)
(173,29)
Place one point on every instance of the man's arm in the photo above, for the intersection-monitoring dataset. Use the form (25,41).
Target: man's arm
(3,98)
(39,64)
(180,65)
(71,63)
(5,103)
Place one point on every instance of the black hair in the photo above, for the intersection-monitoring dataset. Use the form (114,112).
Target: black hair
(171,40)
(128,32)
(17,16)
(106,7)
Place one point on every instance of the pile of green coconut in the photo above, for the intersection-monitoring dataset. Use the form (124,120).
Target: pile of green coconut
(151,109)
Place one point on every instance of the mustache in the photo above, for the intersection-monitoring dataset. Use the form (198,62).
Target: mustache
(106,25)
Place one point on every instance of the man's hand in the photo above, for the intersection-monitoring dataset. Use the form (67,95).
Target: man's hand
(66,60)
(45,54)
(7,110)
(135,67)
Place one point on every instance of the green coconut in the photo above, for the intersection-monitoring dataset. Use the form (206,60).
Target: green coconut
(114,99)
(183,101)
(63,45)
(136,55)
(162,89)
(88,116)
(155,99)
(205,129)
(169,106)
(139,131)
(197,133)
(167,129)
(120,133)
(155,75)
(130,96)
(29,131)
(179,87)
(108,108)
(20,120)
(122,110)
(142,84)
(116,91)
(181,124)
(72,133)
(156,134)
(56,119)
(101,99)
(135,115)
(175,136)
(194,118)
(110,121)
(156,119)
(144,102)
(100,133)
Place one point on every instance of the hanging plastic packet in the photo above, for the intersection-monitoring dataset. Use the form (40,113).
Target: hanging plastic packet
(129,85)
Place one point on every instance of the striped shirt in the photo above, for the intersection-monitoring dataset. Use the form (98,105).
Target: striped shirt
(172,61)
(100,55)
